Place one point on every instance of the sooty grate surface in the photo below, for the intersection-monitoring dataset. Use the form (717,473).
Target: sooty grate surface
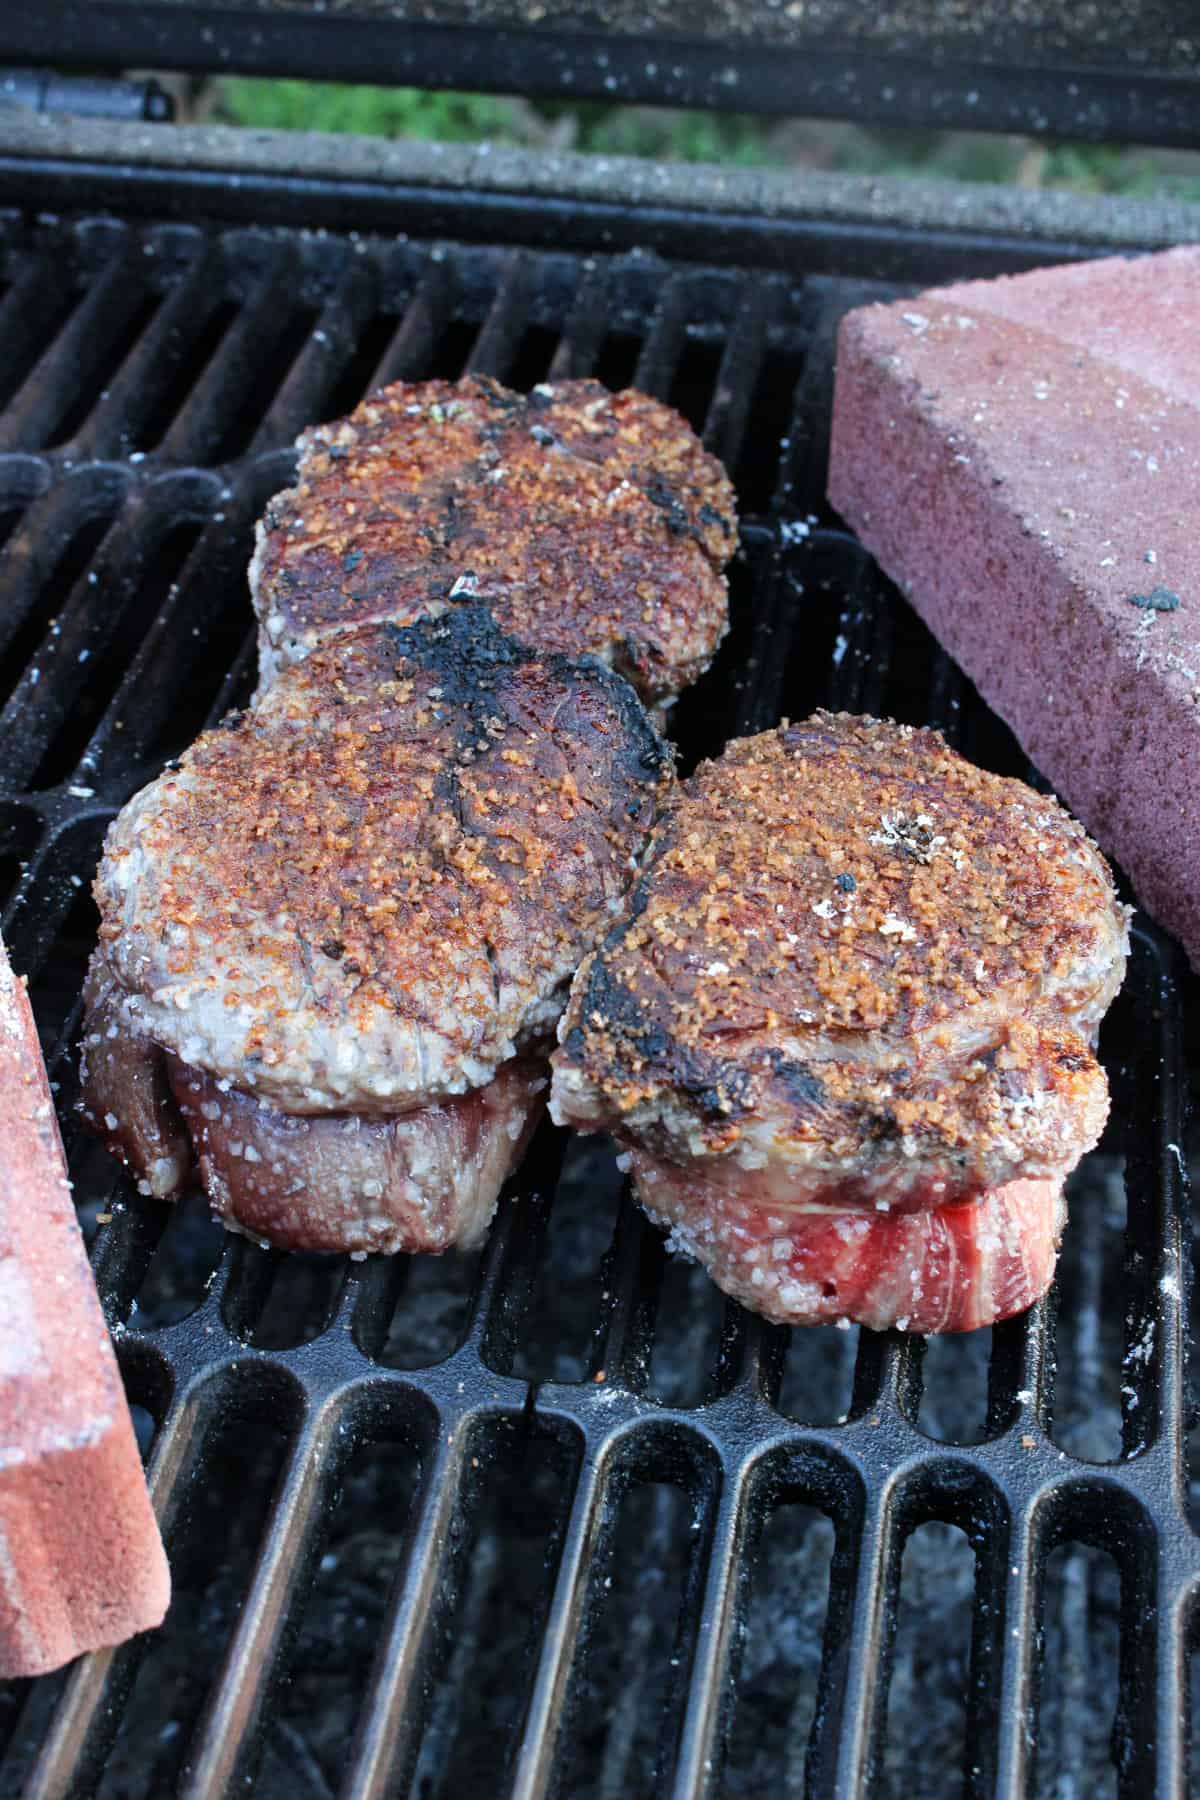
(554,1519)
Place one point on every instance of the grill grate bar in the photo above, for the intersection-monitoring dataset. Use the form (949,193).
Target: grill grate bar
(67,369)
(720,1608)
(411,351)
(51,691)
(303,395)
(35,303)
(36,552)
(737,375)
(218,399)
(244,1680)
(1162,1725)
(496,346)
(850,1703)
(115,425)
(664,340)
(584,330)
(1019,1619)
(544,1721)
(387,1731)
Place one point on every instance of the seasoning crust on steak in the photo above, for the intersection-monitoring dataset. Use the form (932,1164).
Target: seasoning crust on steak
(585,520)
(363,898)
(856,976)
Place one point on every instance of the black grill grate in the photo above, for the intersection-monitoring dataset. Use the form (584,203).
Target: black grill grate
(554,1519)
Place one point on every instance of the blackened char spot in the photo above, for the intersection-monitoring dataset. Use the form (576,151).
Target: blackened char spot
(1159,599)
(803,1088)
(720,1090)
(450,520)
(710,516)
(469,657)
(643,752)
(465,649)
(667,500)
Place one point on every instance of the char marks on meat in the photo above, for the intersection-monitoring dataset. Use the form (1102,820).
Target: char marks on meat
(858,980)
(350,917)
(585,520)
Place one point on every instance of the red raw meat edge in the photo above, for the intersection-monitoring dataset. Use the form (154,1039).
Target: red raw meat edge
(946,1268)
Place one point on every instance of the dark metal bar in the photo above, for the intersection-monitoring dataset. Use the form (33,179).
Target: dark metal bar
(876,249)
(696,1770)
(851,1704)
(734,392)
(411,350)
(33,304)
(663,340)
(219,396)
(633,1278)
(114,426)
(496,344)
(243,1683)
(1017,1633)
(301,398)
(534,1765)
(388,1722)
(583,333)
(818,78)
(67,367)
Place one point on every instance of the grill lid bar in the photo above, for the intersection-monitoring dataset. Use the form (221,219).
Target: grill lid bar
(1063,75)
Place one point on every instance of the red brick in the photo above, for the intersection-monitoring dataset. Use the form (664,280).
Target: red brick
(81,1561)
(1014,484)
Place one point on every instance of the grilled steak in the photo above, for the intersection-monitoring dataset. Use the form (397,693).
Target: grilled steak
(858,979)
(336,938)
(585,520)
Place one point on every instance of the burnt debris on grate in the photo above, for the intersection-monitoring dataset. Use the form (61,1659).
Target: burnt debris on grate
(556,1511)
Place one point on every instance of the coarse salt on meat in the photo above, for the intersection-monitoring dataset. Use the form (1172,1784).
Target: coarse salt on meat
(585,521)
(856,983)
(335,939)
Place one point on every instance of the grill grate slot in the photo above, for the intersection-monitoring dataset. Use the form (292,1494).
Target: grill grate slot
(448,1458)
(1079,1664)
(623,1713)
(776,1705)
(929,1679)
(355,1565)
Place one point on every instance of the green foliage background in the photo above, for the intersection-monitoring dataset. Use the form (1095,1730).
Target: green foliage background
(729,138)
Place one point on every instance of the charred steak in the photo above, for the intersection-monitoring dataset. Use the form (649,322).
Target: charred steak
(336,938)
(845,1026)
(585,520)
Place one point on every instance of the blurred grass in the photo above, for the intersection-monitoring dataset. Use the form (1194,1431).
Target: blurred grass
(680,136)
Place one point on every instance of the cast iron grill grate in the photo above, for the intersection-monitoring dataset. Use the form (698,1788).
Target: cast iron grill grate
(554,1519)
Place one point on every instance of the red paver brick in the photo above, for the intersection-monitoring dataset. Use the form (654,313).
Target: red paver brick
(1036,499)
(81,1560)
